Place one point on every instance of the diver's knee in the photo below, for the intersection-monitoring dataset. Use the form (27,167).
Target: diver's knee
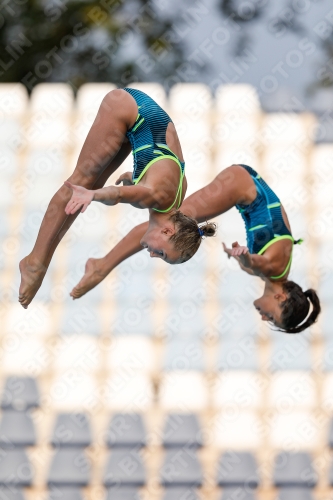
(85,179)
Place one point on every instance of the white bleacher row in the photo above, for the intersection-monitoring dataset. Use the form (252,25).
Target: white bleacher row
(25,350)
(243,98)
(35,340)
(190,104)
(52,120)
(285,391)
(55,122)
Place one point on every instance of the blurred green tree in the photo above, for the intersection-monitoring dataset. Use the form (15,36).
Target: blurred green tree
(80,40)
(121,41)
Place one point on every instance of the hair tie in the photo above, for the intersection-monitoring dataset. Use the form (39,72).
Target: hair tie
(308,314)
(200,231)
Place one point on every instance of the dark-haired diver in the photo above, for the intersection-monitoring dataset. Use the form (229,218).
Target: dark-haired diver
(127,119)
(268,253)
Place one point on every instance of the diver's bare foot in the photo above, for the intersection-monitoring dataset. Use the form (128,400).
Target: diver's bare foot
(92,277)
(31,279)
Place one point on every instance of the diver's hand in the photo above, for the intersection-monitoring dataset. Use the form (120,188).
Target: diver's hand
(227,250)
(81,198)
(126,179)
(230,251)
(241,254)
(238,250)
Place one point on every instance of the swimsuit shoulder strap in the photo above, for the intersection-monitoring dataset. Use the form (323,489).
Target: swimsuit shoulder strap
(180,186)
(274,240)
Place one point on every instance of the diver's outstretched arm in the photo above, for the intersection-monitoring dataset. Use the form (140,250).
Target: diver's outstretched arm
(256,265)
(138,196)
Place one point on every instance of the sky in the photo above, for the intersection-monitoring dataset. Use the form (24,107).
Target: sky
(289,62)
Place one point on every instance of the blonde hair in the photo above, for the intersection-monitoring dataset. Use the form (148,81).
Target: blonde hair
(188,235)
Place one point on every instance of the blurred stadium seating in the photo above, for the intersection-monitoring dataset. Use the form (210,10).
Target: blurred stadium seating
(162,383)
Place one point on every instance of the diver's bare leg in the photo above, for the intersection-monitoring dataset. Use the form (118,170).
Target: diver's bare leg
(97,269)
(117,113)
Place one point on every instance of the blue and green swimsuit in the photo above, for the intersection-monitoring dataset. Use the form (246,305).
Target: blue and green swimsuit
(263,219)
(148,140)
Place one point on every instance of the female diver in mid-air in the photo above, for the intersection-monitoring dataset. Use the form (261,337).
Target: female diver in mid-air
(268,254)
(127,119)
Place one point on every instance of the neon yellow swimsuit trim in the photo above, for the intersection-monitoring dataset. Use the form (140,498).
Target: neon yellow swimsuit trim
(257,227)
(279,238)
(141,148)
(164,146)
(138,124)
(180,187)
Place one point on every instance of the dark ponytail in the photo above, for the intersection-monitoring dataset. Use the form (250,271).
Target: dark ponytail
(297,306)
(189,234)
(208,230)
